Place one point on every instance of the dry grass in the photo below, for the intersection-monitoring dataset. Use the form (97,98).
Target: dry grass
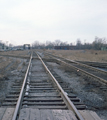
(1,76)
(8,64)
(14,65)
(82,55)
(24,53)
(4,62)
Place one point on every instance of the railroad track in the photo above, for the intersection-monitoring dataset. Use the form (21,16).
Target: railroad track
(95,64)
(41,90)
(84,69)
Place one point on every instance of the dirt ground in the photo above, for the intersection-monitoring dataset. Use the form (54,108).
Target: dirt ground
(82,55)
(11,70)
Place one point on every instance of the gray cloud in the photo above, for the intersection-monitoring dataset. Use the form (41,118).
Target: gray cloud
(26,21)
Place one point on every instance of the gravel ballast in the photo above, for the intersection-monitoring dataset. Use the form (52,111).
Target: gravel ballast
(94,98)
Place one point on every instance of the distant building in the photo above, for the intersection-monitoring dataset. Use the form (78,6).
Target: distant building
(20,47)
(104,48)
(26,46)
(0,46)
(3,47)
(65,47)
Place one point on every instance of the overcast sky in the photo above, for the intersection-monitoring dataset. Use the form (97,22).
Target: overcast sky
(25,21)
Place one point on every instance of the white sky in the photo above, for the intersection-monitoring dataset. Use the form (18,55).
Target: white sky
(25,21)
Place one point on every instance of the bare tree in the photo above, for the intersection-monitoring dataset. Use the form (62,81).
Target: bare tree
(78,42)
(64,44)
(49,45)
(57,42)
(99,42)
(35,44)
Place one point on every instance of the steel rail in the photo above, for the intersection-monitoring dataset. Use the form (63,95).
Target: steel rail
(18,105)
(93,63)
(68,102)
(93,68)
(101,79)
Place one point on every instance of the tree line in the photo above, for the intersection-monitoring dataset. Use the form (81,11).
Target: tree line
(97,44)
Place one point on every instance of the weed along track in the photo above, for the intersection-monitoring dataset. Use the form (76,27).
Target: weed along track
(43,95)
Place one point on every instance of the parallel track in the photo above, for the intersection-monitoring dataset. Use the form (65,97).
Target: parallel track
(95,64)
(101,75)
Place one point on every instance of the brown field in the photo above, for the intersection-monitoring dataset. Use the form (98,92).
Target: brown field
(11,63)
(19,53)
(82,55)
